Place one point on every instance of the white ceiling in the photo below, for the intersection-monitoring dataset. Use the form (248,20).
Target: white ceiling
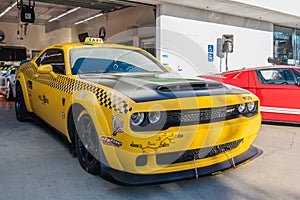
(237,9)
(47,9)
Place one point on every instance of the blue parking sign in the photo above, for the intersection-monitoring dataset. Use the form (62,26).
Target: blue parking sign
(210,57)
(210,48)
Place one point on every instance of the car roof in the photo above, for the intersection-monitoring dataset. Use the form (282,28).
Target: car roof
(68,46)
(262,67)
(82,45)
(275,66)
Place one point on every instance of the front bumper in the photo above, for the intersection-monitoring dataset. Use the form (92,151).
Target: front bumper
(125,178)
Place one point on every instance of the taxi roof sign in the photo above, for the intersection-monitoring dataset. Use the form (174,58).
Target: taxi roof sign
(93,40)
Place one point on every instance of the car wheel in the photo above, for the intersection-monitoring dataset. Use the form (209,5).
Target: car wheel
(87,143)
(9,94)
(21,111)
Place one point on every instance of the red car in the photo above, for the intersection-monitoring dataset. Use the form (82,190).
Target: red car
(278,88)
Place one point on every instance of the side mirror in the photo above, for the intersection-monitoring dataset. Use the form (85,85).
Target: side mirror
(46,69)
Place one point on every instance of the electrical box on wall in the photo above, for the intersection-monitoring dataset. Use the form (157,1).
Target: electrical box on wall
(227,43)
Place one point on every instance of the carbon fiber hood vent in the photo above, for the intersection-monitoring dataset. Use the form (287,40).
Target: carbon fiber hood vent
(189,86)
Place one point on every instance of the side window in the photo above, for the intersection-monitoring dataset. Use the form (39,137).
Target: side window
(276,76)
(41,58)
(54,57)
(296,73)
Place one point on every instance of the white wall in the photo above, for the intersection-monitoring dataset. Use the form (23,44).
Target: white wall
(290,7)
(116,23)
(36,38)
(184,44)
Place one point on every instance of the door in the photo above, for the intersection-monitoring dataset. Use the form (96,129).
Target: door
(278,91)
(47,100)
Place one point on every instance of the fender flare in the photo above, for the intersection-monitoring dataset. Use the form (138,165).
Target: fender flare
(88,101)
(21,81)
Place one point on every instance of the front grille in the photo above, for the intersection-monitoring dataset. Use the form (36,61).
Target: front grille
(177,118)
(199,116)
(190,155)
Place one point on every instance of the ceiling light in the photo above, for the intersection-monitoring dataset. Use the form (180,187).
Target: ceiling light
(8,9)
(64,14)
(88,19)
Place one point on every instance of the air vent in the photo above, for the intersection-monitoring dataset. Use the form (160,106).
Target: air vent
(196,154)
(182,87)
(189,87)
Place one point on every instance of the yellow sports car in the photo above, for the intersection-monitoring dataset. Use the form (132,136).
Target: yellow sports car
(131,120)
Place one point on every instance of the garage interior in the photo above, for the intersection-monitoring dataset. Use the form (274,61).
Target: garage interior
(66,21)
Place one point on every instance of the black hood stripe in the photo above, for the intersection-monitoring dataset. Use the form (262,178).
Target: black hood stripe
(150,88)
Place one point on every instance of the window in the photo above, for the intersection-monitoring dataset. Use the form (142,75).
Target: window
(148,43)
(55,58)
(297,75)
(12,53)
(287,45)
(34,53)
(276,76)
(284,43)
(111,60)
(297,53)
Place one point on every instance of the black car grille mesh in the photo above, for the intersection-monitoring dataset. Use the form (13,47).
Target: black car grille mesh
(176,118)
(189,155)
(202,115)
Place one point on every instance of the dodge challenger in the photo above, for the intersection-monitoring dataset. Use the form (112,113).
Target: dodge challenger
(132,121)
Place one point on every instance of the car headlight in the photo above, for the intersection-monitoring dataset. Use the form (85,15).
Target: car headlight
(154,117)
(251,106)
(137,118)
(241,108)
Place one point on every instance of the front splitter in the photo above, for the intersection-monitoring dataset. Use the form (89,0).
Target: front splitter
(125,178)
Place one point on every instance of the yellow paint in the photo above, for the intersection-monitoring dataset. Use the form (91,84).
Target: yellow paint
(65,91)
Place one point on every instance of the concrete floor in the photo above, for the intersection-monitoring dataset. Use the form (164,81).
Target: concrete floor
(35,164)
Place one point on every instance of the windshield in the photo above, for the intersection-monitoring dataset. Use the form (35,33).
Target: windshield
(111,60)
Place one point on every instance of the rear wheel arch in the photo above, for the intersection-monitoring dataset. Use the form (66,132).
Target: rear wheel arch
(21,111)
(25,94)
(9,90)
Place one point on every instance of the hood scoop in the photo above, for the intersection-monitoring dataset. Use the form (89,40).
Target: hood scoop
(189,86)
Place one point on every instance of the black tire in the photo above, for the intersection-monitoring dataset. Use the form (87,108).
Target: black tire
(21,111)
(87,144)
(9,93)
